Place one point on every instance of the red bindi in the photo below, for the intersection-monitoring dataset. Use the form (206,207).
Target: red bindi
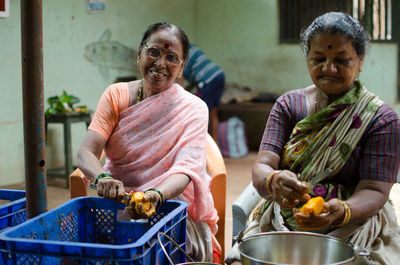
(166,46)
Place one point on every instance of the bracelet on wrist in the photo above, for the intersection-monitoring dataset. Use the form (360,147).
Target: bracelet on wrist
(101,176)
(161,201)
(268,181)
(347,215)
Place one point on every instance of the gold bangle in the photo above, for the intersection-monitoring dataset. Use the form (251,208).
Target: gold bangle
(268,181)
(347,215)
(101,176)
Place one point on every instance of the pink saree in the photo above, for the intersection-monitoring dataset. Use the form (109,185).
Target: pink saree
(163,135)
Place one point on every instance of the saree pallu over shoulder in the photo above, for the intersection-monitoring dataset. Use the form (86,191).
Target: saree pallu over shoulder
(327,138)
(163,135)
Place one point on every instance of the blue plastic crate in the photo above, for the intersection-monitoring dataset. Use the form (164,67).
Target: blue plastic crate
(86,231)
(16,198)
(12,212)
(12,219)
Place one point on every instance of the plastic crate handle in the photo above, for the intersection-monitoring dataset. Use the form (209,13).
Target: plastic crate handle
(173,242)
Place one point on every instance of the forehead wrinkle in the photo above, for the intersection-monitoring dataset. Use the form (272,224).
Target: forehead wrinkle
(339,45)
(337,53)
(161,47)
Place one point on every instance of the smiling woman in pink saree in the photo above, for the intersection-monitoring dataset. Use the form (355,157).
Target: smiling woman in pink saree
(154,133)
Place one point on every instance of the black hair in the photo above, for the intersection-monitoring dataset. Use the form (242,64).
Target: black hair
(336,23)
(165,25)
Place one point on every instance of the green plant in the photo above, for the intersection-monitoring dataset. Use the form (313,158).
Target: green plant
(63,103)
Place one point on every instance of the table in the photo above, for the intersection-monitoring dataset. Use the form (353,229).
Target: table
(66,119)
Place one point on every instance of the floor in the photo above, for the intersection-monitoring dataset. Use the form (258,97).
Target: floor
(239,175)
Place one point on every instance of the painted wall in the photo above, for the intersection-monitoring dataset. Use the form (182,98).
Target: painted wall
(239,35)
(67,29)
(245,42)
(11,128)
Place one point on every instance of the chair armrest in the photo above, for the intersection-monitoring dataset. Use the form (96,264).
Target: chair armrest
(242,207)
(78,184)
(218,192)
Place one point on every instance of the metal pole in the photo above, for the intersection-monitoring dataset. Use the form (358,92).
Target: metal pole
(33,105)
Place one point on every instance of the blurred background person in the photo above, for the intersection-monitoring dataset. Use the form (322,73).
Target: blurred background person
(208,80)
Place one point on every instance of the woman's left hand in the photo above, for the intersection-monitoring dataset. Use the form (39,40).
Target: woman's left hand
(334,211)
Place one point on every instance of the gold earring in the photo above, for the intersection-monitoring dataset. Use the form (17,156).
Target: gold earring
(138,62)
(179,75)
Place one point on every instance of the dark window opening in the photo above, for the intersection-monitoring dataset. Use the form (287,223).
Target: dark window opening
(375,16)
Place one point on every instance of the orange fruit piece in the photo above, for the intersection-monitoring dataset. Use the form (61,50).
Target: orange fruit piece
(313,206)
(137,197)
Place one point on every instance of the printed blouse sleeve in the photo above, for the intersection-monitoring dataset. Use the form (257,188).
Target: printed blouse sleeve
(381,152)
(278,127)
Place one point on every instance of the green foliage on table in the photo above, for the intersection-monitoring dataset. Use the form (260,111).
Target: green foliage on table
(64,103)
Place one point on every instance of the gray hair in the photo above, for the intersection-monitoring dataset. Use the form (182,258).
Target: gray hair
(336,23)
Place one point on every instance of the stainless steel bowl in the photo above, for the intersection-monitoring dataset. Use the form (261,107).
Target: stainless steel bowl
(296,248)
(198,263)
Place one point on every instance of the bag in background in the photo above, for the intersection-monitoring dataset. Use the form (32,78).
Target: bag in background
(232,139)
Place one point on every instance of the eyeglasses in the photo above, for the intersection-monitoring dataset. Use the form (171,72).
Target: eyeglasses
(156,53)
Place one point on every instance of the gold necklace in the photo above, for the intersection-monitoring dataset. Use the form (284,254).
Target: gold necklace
(316,101)
(140,92)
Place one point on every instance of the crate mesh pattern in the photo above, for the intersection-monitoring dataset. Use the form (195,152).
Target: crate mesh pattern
(13,210)
(86,230)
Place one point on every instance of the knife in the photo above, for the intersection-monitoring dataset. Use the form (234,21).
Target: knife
(126,199)
(317,178)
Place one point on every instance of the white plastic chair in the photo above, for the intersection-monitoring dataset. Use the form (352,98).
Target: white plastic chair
(242,208)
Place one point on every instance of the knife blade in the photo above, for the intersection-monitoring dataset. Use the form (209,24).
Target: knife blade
(317,178)
(126,199)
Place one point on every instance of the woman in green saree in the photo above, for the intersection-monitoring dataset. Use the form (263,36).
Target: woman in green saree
(334,124)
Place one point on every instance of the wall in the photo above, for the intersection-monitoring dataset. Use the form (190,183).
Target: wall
(67,29)
(245,42)
(11,130)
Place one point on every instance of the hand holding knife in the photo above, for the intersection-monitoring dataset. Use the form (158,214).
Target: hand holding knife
(125,199)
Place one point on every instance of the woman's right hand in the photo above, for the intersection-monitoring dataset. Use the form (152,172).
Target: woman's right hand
(110,188)
(288,190)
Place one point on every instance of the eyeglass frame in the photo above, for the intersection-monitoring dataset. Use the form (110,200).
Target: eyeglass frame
(163,53)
